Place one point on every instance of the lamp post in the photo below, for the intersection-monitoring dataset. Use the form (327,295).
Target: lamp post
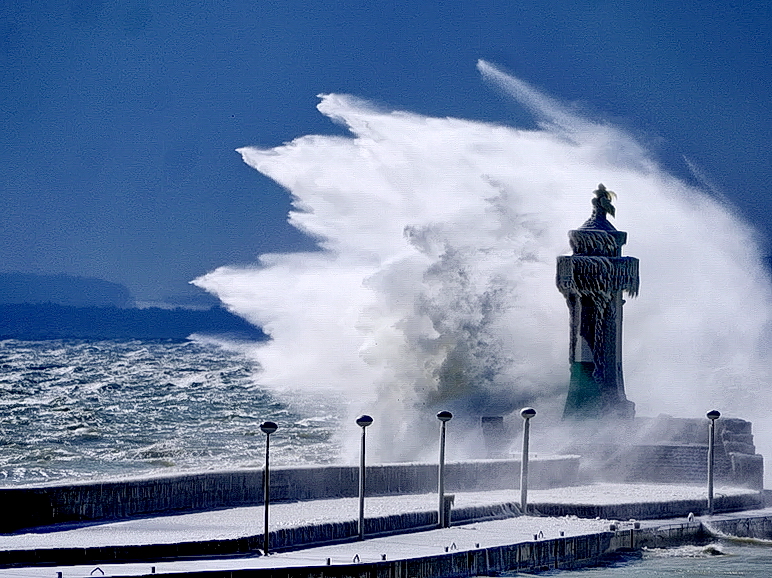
(712,415)
(526,413)
(268,427)
(362,421)
(444,417)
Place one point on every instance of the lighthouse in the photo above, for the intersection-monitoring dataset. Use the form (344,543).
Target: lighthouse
(593,281)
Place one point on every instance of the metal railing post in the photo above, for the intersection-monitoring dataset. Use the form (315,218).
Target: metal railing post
(362,421)
(268,427)
(526,413)
(712,415)
(444,417)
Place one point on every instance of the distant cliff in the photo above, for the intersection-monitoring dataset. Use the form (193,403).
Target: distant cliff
(63,290)
(31,321)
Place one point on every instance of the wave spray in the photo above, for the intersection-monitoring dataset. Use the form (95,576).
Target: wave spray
(434,284)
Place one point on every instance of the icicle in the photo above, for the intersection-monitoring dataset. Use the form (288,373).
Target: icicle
(591,242)
(597,276)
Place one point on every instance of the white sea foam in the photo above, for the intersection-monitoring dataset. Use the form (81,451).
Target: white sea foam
(434,286)
(79,410)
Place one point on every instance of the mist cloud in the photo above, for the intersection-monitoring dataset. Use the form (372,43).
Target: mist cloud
(434,286)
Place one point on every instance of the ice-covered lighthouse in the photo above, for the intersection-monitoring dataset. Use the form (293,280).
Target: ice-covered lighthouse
(593,281)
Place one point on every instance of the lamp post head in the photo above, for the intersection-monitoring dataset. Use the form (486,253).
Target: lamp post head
(527,412)
(714,414)
(268,427)
(444,416)
(364,420)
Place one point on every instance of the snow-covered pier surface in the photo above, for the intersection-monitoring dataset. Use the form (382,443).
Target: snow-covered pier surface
(526,543)
(239,532)
(114,499)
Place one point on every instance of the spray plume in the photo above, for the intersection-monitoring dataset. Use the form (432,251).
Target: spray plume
(434,286)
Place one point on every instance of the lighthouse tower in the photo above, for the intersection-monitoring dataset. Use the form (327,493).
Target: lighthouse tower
(593,280)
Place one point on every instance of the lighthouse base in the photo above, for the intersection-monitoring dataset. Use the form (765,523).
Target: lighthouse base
(587,400)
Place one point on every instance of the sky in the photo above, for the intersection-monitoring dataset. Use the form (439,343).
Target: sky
(120,120)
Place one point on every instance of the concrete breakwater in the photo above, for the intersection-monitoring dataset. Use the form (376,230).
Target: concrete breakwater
(753,525)
(525,556)
(652,510)
(531,556)
(675,450)
(543,555)
(538,555)
(302,536)
(33,506)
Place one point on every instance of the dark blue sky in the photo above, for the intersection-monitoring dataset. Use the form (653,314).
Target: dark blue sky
(120,119)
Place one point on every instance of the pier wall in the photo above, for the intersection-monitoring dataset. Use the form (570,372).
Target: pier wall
(652,510)
(33,506)
(758,527)
(675,450)
(561,552)
(530,556)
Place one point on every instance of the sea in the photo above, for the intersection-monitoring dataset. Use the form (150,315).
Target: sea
(78,410)
(721,559)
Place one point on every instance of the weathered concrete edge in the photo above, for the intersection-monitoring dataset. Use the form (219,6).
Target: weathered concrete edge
(540,555)
(338,532)
(758,525)
(653,510)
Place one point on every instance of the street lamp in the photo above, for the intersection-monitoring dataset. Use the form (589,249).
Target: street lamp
(444,417)
(712,415)
(268,427)
(362,421)
(526,413)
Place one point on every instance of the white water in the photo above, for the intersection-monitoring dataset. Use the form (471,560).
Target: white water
(79,410)
(434,286)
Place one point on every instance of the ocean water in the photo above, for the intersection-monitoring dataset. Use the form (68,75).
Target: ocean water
(73,410)
(741,558)
(79,410)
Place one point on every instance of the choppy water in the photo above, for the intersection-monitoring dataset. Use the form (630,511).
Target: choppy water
(85,409)
(717,560)
(88,409)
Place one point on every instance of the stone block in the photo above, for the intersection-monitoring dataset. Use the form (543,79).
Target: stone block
(735,425)
(739,447)
(748,470)
(733,437)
